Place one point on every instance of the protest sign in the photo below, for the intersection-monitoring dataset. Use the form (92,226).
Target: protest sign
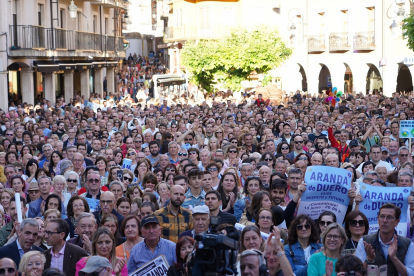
(158,266)
(327,190)
(126,164)
(18,208)
(374,197)
(407,129)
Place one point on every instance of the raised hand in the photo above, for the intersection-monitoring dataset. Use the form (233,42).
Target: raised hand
(119,266)
(328,267)
(392,250)
(370,251)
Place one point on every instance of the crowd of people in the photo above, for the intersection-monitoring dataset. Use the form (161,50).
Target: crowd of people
(107,185)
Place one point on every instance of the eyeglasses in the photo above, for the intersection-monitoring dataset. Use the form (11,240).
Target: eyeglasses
(104,202)
(94,180)
(189,139)
(268,159)
(137,141)
(131,153)
(355,222)
(127,178)
(285,148)
(212,169)
(219,132)
(50,233)
(324,223)
(403,155)
(298,142)
(232,151)
(333,237)
(170,170)
(383,217)
(10,270)
(303,227)
(78,206)
(260,148)
(303,158)
(192,152)
(182,154)
(265,218)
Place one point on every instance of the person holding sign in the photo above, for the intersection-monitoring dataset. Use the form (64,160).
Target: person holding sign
(385,246)
(333,240)
(10,229)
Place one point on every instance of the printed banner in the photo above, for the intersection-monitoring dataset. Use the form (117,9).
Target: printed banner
(407,129)
(158,266)
(374,197)
(327,190)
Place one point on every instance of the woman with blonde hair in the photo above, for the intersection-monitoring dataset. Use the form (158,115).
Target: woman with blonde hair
(59,185)
(32,263)
(213,144)
(104,245)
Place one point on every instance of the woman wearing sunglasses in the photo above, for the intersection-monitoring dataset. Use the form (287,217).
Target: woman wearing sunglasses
(356,226)
(325,219)
(231,158)
(301,244)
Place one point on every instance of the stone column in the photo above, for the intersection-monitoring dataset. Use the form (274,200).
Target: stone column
(4,93)
(50,87)
(84,75)
(27,84)
(68,85)
(389,76)
(110,79)
(98,81)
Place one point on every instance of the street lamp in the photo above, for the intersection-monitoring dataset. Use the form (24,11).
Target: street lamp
(72,10)
(291,18)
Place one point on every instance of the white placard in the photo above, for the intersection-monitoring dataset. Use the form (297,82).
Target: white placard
(18,208)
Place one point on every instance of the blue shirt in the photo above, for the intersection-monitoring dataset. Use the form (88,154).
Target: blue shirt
(21,251)
(192,200)
(141,254)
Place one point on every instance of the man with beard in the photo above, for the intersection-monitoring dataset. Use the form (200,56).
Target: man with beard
(321,143)
(154,148)
(85,227)
(107,204)
(174,219)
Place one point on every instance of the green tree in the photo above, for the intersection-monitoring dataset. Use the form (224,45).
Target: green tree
(232,58)
(408,31)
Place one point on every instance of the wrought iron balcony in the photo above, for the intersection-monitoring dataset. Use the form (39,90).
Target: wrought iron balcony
(339,42)
(27,37)
(364,41)
(316,44)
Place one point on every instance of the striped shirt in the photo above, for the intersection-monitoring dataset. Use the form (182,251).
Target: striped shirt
(173,225)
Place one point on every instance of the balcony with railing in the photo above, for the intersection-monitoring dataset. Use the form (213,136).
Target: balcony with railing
(364,41)
(339,42)
(316,44)
(27,40)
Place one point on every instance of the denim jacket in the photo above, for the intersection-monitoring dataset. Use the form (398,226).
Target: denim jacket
(296,257)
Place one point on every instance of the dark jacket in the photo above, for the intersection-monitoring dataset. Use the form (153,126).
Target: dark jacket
(380,259)
(98,217)
(11,251)
(227,218)
(71,228)
(71,256)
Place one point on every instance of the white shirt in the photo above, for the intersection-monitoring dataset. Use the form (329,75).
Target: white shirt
(382,163)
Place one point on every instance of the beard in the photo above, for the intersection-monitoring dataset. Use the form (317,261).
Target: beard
(176,203)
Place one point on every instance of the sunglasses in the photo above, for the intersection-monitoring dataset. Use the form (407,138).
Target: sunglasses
(232,151)
(10,270)
(131,153)
(298,142)
(138,141)
(261,148)
(189,139)
(268,159)
(355,222)
(324,223)
(182,154)
(71,180)
(285,148)
(303,227)
(127,178)
(212,169)
(169,170)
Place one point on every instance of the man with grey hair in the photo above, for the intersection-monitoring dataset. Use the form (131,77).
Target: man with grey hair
(173,149)
(85,227)
(45,184)
(317,132)
(264,175)
(316,159)
(201,221)
(405,179)
(403,154)
(205,158)
(246,170)
(26,237)
(47,150)
(370,176)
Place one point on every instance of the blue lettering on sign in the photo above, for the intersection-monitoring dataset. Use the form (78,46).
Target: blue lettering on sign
(382,196)
(331,188)
(331,178)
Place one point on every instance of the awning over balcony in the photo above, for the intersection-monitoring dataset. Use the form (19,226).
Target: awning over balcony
(167,80)
(46,66)
(67,65)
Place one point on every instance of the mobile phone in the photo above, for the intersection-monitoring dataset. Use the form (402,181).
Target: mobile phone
(119,174)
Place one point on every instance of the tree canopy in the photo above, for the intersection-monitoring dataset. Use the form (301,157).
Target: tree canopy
(232,58)
(408,31)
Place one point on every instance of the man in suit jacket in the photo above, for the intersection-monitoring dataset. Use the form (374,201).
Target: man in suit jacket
(61,255)
(27,235)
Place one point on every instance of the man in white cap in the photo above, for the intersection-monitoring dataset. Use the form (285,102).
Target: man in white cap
(201,221)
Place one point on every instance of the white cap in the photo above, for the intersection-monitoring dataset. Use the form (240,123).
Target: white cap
(11,108)
(201,209)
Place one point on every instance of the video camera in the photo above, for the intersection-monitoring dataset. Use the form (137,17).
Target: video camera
(216,253)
